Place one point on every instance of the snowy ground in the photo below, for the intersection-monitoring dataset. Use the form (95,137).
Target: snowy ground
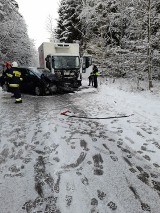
(123,98)
(55,163)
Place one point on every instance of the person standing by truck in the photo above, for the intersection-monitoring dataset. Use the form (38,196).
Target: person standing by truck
(91,79)
(95,75)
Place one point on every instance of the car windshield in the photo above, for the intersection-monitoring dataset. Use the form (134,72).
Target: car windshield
(65,62)
(37,71)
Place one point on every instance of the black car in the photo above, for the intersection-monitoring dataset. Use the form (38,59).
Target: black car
(37,81)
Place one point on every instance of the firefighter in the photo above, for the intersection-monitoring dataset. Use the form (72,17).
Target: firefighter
(14,80)
(95,75)
(4,77)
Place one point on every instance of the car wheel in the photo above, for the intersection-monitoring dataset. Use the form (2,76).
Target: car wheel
(37,91)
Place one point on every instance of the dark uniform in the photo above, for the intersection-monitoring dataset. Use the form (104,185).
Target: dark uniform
(14,80)
(2,79)
(91,78)
(3,76)
(95,74)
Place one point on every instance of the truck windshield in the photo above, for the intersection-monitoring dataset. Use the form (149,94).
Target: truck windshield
(65,62)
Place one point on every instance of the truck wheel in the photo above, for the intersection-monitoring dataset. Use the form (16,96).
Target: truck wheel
(37,91)
(53,89)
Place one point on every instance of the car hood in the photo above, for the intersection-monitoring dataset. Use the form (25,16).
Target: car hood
(48,76)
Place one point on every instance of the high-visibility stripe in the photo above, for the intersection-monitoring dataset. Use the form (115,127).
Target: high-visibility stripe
(9,75)
(18,99)
(13,85)
(17,73)
(96,74)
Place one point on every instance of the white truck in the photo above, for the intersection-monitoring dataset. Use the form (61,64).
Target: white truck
(63,60)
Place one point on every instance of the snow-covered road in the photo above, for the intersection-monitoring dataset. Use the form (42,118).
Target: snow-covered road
(54,163)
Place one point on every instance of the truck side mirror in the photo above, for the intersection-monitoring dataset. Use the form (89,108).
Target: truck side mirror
(48,62)
(87,61)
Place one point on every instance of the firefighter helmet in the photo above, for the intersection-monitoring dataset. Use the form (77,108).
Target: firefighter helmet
(14,64)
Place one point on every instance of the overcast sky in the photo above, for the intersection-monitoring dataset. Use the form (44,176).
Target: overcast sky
(35,13)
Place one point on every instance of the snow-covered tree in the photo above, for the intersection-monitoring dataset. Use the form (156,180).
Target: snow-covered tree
(69,25)
(15,44)
(126,34)
(51,28)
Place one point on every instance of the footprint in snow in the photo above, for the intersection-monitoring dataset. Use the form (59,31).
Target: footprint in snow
(112,205)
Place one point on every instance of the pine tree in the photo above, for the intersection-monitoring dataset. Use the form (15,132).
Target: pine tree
(69,25)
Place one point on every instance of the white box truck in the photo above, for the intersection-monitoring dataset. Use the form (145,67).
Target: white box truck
(63,60)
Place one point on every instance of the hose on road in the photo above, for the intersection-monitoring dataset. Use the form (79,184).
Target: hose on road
(84,117)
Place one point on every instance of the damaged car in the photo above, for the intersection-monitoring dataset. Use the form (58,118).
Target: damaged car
(37,81)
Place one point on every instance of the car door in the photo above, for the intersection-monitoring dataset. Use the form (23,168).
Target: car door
(29,81)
